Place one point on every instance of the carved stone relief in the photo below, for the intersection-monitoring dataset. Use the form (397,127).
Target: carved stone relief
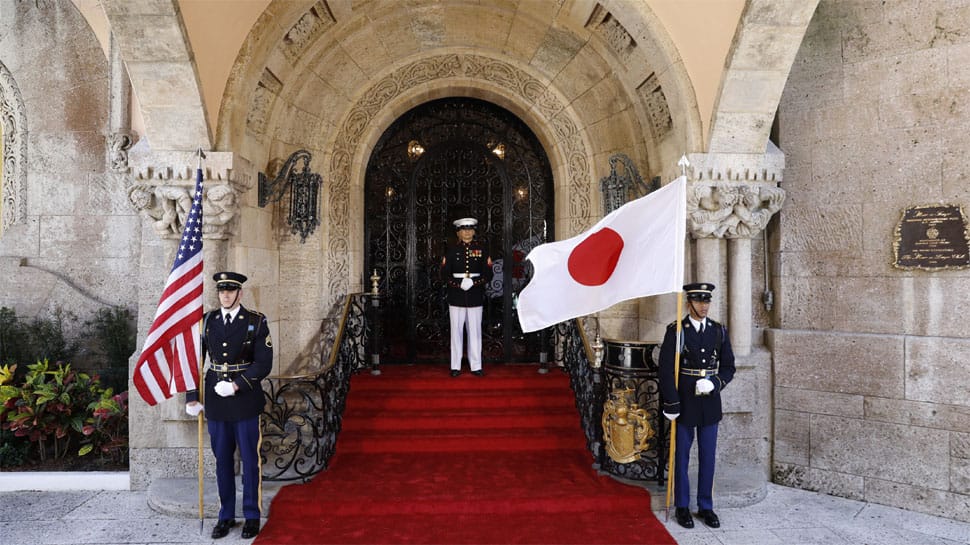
(613,33)
(264,96)
(513,80)
(306,31)
(726,210)
(13,116)
(655,102)
(733,195)
(163,194)
(118,145)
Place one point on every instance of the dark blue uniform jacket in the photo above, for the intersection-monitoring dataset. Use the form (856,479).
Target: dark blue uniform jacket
(708,350)
(228,345)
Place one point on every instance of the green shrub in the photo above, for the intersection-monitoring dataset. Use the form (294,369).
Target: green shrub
(106,430)
(47,406)
(47,340)
(114,334)
(13,449)
(41,339)
(14,340)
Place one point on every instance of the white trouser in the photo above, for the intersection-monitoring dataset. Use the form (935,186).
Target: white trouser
(459,317)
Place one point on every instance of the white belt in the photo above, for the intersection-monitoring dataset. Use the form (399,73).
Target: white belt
(466,275)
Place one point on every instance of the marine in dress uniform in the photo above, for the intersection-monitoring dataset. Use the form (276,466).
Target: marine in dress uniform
(706,367)
(466,268)
(240,351)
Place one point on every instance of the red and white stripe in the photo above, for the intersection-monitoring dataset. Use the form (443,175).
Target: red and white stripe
(169,360)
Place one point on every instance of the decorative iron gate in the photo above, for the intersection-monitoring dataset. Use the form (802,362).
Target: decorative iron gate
(443,160)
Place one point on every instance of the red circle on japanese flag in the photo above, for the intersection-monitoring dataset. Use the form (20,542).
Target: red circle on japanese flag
(592,261)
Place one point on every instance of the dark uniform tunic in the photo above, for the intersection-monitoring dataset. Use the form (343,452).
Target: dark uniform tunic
(702,354)
(461,259)
(241,352)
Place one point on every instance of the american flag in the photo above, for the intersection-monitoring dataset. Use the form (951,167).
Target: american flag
(169,360)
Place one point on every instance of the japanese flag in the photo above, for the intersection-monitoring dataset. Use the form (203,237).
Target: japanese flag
(635,251)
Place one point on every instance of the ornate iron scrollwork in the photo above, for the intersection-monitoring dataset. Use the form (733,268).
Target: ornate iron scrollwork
(303,414)
(638,378)
(619,189)
(304,184)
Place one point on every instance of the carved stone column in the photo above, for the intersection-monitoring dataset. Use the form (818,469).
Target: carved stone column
(161,190)
(732,196)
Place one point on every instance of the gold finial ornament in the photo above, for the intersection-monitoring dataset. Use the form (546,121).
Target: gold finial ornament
(374,280)
(597,347)
(626,430)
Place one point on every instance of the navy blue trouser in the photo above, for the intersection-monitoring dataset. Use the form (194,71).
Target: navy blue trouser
(226,436)
(706,449)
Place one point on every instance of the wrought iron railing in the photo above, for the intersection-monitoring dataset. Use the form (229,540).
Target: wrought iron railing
(593,383)
(573,352)
(303,412)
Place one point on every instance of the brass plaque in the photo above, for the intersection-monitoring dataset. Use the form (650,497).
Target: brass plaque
(932,237)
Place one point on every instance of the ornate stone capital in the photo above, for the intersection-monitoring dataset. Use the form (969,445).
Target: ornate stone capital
(733,195)
(164,182)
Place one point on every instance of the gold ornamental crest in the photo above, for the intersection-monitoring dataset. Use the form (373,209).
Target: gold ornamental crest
(626,429)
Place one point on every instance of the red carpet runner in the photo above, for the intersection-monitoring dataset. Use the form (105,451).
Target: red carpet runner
(426,458)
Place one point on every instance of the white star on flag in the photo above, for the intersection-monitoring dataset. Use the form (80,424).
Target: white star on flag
(635,251)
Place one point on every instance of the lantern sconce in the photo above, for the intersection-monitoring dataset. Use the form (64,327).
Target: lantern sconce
(304,185)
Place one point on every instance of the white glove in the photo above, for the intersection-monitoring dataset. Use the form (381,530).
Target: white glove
(225,388)
(671,417)
(703,387)
(466,283)
(194,408)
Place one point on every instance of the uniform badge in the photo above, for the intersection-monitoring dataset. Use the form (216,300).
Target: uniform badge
(269,341)
(626,429)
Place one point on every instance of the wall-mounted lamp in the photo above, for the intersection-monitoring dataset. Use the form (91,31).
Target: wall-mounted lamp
(304,187)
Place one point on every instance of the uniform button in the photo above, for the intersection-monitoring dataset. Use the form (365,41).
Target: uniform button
(225,355)
(225,344)
(702,349)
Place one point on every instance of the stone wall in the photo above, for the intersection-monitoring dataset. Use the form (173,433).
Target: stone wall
(73,203)
(871,392)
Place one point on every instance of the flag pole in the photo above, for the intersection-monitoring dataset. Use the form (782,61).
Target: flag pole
(683,163)
(673,423)
(201,388)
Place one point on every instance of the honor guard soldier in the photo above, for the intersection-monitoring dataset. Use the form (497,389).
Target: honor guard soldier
(466,269)
(240,351)
(706,367)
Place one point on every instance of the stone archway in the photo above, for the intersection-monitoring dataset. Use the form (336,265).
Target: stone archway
(13,183)
(767,40)
(550,116)
(445,159)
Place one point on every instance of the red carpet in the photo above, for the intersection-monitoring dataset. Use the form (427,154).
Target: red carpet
(426,458)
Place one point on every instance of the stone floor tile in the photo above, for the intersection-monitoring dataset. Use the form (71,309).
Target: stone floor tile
(748,537)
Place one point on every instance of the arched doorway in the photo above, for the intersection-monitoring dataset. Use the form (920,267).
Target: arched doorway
(443,160)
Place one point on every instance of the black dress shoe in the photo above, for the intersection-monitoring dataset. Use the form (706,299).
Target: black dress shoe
(682,514)
(250,528)
(222,528)
(709,518)
(479,373)
(455,372)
